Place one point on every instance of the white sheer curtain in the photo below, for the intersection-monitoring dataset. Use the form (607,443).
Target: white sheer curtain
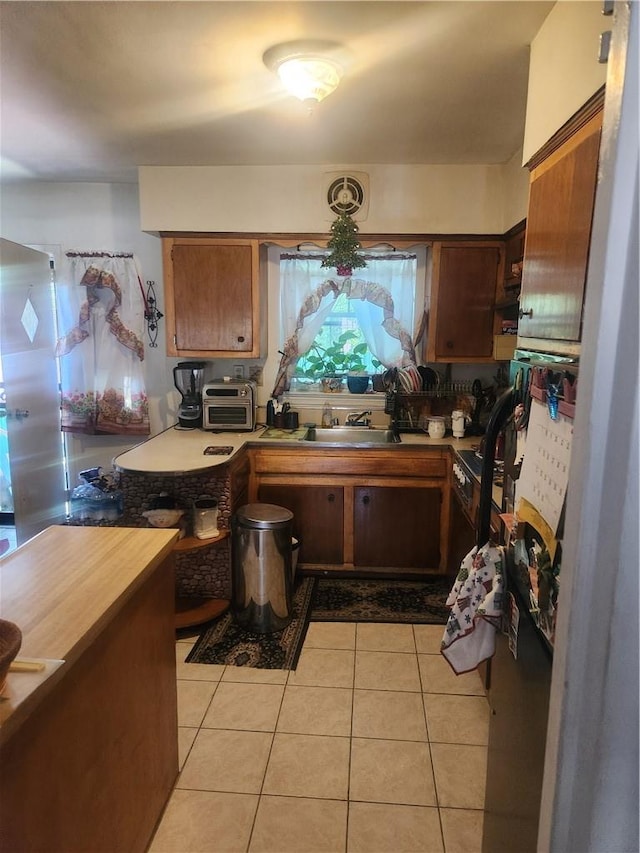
(101,314)
(396,272)
(301,276)
(383,302)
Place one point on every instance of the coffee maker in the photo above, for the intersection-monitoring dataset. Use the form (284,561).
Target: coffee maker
(188,377)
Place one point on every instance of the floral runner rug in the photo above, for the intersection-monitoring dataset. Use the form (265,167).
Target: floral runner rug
(354,600)
(224,642)
(322,600)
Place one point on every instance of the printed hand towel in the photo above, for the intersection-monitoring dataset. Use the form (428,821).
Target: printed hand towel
(476,602)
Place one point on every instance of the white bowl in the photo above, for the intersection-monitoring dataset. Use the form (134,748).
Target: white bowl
(163,517)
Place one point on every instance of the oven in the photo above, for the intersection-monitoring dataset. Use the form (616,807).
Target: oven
(229,405)
(464,504)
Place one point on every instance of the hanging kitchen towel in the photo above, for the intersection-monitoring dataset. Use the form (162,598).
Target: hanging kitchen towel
(476,602)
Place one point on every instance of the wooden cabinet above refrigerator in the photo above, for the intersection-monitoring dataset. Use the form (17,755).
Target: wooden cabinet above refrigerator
(561,202)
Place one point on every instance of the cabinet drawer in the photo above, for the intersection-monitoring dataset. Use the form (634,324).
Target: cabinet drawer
(389,463)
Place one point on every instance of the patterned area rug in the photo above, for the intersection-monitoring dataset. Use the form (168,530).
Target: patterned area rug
(347,600)
(224,642)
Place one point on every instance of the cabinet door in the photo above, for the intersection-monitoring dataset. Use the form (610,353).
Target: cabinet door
(317,519)
(465,279)
(561,201)
(211,297)
(398,527)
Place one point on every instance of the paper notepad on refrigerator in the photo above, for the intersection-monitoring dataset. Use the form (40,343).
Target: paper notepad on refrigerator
(544,475)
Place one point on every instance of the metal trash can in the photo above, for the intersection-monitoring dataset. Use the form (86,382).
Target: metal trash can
(261,567)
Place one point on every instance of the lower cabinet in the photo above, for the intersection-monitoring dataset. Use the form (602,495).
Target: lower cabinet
(396,526)
(318,518)
(361,511)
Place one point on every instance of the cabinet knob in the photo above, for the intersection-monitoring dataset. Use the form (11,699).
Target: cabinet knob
(449,344)
(331,498)
(522,313)
(240,339)
(366,499)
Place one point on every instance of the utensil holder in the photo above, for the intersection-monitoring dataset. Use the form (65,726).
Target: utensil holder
(205,518)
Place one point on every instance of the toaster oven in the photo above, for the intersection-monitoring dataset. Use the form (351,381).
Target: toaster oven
(229,405)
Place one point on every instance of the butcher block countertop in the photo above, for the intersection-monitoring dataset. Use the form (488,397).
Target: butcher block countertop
(89,745)
(60,588)
(181,451)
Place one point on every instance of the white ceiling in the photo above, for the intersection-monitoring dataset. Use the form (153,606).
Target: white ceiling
(91,90)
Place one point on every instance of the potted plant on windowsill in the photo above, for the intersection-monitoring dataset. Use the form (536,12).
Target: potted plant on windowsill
(378,378)
(319,365)
(330,365)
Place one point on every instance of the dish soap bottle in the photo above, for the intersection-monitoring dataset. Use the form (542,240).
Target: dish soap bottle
(327,415)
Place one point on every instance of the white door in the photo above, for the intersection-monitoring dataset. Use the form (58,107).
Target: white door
(27,345)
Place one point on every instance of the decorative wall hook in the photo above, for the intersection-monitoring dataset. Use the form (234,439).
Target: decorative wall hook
(151,313)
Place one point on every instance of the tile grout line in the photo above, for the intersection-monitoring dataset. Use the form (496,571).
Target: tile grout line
(199,726)
(353,696)
(426,723)
(266,766)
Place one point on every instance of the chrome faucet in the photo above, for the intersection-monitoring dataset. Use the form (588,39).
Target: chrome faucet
(358,419)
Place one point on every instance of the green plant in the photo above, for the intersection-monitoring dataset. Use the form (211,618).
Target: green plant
(338,358)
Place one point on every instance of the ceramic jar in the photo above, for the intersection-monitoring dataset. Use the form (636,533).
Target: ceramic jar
(436,428)
(458,419)
(205,518)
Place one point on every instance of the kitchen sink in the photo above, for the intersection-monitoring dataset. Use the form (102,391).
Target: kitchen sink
(352,435)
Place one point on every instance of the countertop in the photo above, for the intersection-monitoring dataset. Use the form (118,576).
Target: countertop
(180,451)
(60,588)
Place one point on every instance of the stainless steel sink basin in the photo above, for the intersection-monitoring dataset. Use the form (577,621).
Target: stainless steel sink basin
(352,436)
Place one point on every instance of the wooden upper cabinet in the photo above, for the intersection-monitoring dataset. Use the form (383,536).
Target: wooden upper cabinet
(561,202)
(465,280)
(513,258)
(212,294)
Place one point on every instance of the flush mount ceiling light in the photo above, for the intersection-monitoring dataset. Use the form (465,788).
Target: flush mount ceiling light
(310,70)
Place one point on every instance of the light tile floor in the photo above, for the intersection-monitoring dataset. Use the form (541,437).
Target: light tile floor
(370,745)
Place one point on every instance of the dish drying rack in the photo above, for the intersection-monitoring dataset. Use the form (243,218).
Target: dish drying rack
(411,410)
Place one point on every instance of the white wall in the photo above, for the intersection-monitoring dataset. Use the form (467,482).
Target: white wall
(515,179)
(290,199)
(564,71)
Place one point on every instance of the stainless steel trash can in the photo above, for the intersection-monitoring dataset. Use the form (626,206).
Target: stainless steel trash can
(261,567)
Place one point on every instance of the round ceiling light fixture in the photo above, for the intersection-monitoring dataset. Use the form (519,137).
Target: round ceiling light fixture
(310,70)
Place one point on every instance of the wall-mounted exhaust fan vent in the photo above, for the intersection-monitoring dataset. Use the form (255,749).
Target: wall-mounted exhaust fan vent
(348,194)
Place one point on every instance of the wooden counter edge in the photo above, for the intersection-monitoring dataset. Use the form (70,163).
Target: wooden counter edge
(33,701)
(94,765)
